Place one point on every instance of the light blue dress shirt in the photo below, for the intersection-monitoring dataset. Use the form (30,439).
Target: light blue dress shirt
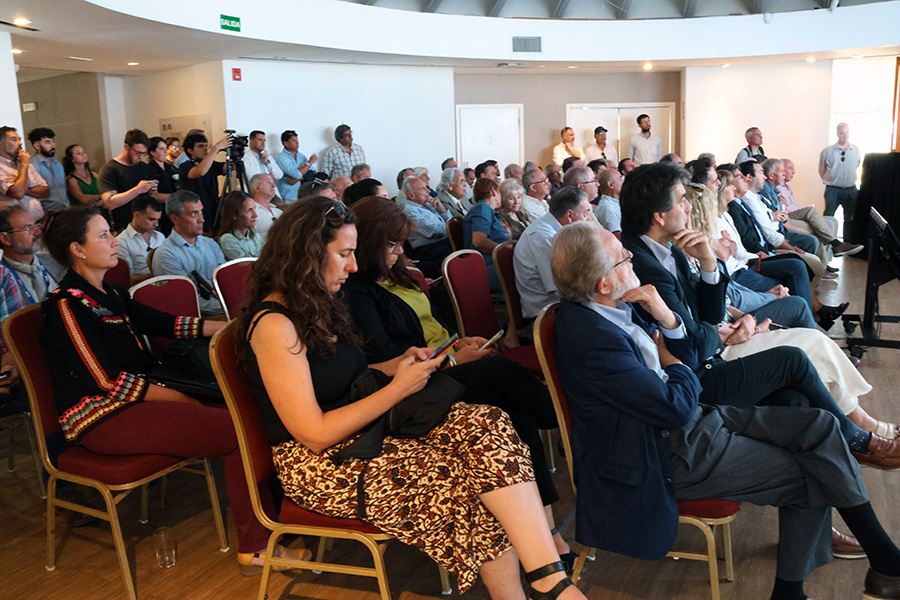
(531,262)
(52,172)
(177,257)
(290,164)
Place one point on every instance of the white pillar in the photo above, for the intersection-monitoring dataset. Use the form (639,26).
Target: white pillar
(10,109)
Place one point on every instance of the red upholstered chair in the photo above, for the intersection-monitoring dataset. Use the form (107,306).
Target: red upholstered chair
(113,476)
(419,276)
(229,280)
(465,276)
(503,262)
(704,514)
(174,294)
(256,455)
(455,233)
(119,275)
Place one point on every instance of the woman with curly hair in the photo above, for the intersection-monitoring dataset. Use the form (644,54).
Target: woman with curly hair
(463,492)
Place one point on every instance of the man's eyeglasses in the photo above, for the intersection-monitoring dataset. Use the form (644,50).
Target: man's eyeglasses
(32,227)
(395,247)
(589,181)
(627,258)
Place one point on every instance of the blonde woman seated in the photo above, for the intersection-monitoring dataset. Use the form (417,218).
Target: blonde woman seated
(463,493)
(236,222)
(838,374)
(514,219)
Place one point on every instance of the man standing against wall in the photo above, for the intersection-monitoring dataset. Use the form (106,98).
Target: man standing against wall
(50,169)
(837,168)
(20,182)
(294,166)
(753,150)
(340,159)
(645,147)
(599,149)
(257,160)
(121,180)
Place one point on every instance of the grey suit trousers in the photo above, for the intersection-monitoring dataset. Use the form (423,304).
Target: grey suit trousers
(793,458)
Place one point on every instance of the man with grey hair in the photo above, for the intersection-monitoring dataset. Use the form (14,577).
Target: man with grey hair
(531,259)
(583,178)
(837,168)
(429,242)
(187,251)
(262,186)
(537,190)
(643,441)
(513,171)
(608,211)
(343,156)
(452,191)
(360,172)
(753,150)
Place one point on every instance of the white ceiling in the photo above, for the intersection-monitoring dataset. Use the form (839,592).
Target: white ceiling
(112,39)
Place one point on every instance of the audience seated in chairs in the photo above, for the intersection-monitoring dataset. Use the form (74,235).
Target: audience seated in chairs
(482,228)
(236,234)
(511,215)
(655,214)
(643,441)
(103,399)
(429,217)
(394,314)
(465,518)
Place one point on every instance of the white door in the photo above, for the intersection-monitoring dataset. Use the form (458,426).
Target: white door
(584,118)
(489,131)
(621,122)
(661,124)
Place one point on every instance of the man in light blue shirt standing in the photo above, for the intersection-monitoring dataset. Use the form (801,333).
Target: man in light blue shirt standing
(294,164)
(49,168)
(187,251)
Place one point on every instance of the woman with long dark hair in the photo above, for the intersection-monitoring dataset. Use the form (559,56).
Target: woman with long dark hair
(463,492)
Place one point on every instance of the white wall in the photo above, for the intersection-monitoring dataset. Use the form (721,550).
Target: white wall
(10,109)
(789,102)
(195,90)
(401,116)
(113,117)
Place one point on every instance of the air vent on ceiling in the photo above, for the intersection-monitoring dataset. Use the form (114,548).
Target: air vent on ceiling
(526,44)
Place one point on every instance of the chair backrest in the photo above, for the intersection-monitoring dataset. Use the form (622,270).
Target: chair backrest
(150,254)
(465,276)
(229,279)
(455,233)
(545,344)
(119,275)
(174,294)
(503,263)
(20,330)
(256,453)
(419,276)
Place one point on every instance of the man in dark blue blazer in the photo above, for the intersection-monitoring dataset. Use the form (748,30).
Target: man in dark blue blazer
(642,441)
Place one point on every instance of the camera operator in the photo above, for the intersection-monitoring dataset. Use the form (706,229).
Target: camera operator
(200,173)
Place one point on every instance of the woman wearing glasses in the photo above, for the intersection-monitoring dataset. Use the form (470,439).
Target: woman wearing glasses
(463,492)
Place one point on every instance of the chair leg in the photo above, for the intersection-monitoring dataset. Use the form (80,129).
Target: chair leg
(217,510)
(726,550)
(320,552)
(11,451)
(163,491)
(36,456)
(579,563)
(267,568)
(51,523)
(446,590)
(548,444)
(380,575)
(712,560)
(145,504)
(120,543)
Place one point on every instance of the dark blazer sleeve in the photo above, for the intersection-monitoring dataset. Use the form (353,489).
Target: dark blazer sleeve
(379,319)
(649,270)
(745,228)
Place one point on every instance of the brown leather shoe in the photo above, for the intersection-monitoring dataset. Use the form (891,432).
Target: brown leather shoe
(881,587)
(845,249)
(845,545)
(884,454)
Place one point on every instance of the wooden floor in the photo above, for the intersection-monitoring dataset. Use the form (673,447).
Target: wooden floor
(87,566)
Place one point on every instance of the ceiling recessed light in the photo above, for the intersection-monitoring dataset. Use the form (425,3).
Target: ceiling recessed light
(857,56)
(21,22)
(573,66)
(647,66)
(810,59)
(80,58)
(17,51)
(133,64)
(726,65)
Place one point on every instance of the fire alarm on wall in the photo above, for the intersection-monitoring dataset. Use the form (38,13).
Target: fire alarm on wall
(236,74)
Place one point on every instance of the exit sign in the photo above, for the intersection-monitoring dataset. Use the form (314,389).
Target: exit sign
(230,23)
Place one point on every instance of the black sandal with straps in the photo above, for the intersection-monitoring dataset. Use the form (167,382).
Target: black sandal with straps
(546,571)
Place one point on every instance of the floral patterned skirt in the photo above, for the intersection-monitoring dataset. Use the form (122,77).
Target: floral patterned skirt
(423,491)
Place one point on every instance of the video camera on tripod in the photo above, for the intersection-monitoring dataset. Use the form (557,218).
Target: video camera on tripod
(239,143)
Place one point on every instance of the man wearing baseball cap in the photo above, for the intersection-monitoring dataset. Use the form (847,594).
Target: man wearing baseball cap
(599,149)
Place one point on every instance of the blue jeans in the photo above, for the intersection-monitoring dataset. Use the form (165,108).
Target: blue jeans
(846,197)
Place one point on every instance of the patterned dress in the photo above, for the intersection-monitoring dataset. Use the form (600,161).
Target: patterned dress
(422,491)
